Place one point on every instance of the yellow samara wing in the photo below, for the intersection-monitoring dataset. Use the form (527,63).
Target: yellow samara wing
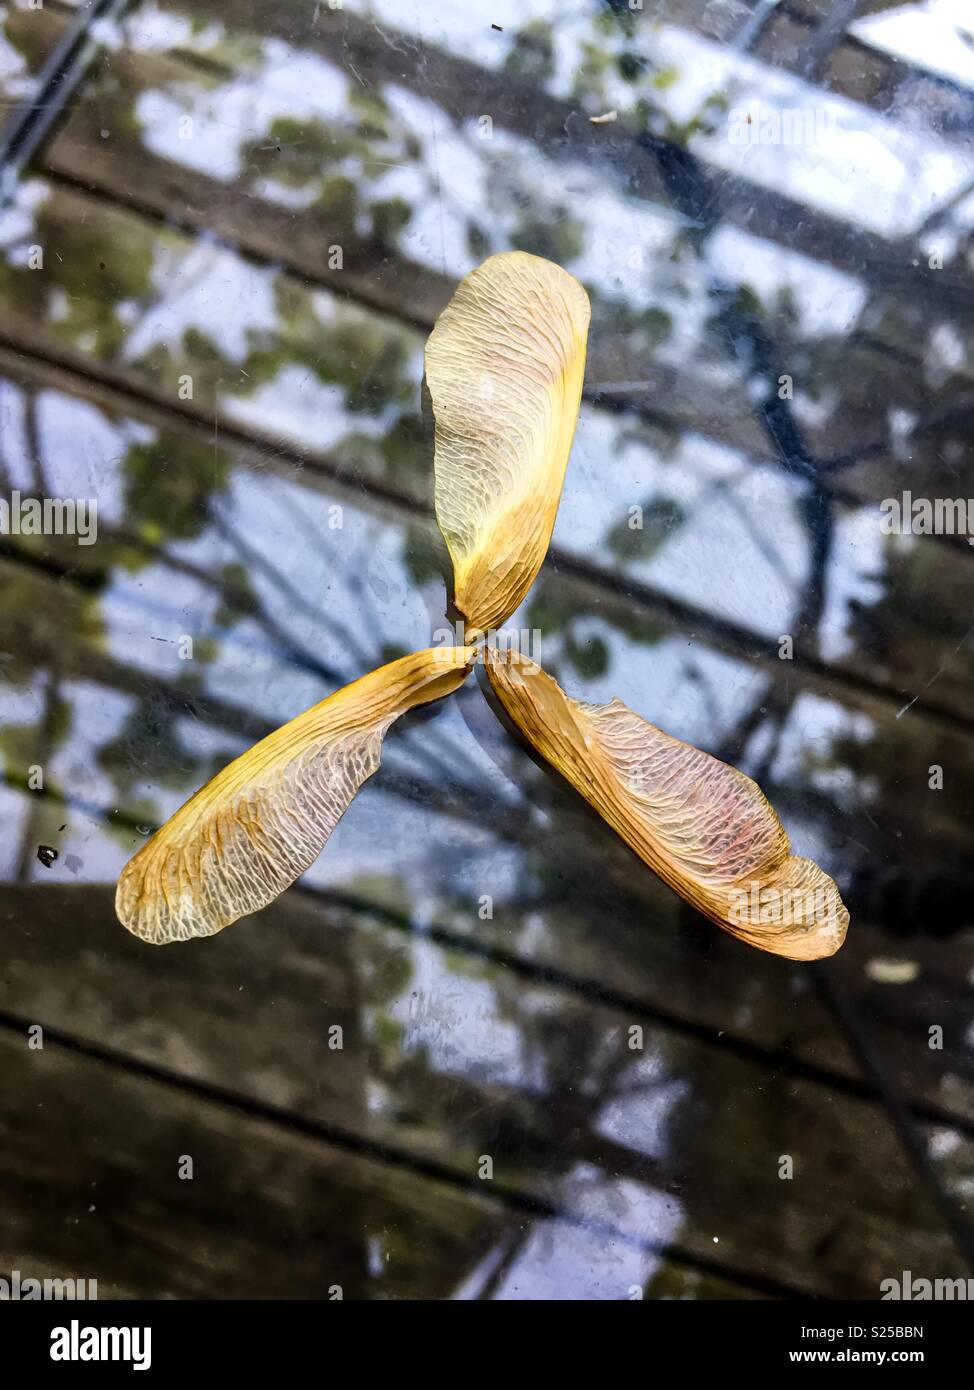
(705,828)
(252,830)
(504,366)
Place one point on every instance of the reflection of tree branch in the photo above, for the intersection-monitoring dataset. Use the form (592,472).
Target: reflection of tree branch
(775,723)
(752,30)
(33,439)
(950,417)
(255,561)
(826,38)
(5,480)
(442,761)
(725,487)
(695,674)
(942,212)
(751,343)
(243,602)
(515,1244)
(903,1122)
(359,590)
(346,636)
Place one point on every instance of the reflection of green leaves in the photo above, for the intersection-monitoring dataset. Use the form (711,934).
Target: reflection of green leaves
(665,78)
(33,626)
(657,322)
(532,54)
(389,217)
(557,236)
(168,491)
(383,1030)
(21,744)
(140,811)
(200,348)
(90,269)
(293,152)
(148,747)
(660,518)
(555,610)
(238,598)
(424,556)
(373,120)
(551,609)
(367,357)
(593,63)
(383,964)
(338,203)
(917,608)
(632,66)
(337,163)
(469,966)
(650,326)
(590,658)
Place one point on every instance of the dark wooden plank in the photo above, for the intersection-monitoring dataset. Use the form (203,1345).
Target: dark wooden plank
(90,1156)
(705,1124)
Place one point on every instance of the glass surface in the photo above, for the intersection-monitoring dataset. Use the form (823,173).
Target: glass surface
(218,268)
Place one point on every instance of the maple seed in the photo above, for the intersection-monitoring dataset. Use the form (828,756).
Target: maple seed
(504,368)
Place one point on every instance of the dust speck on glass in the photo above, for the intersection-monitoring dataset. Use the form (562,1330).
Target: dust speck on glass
(485,1052)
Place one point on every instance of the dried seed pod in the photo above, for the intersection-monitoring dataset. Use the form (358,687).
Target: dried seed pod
(705,828)
(252,830)
(504,366)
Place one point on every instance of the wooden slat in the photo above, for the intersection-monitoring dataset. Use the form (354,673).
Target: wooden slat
(89,1161)
(852,1208)
(269,1212)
